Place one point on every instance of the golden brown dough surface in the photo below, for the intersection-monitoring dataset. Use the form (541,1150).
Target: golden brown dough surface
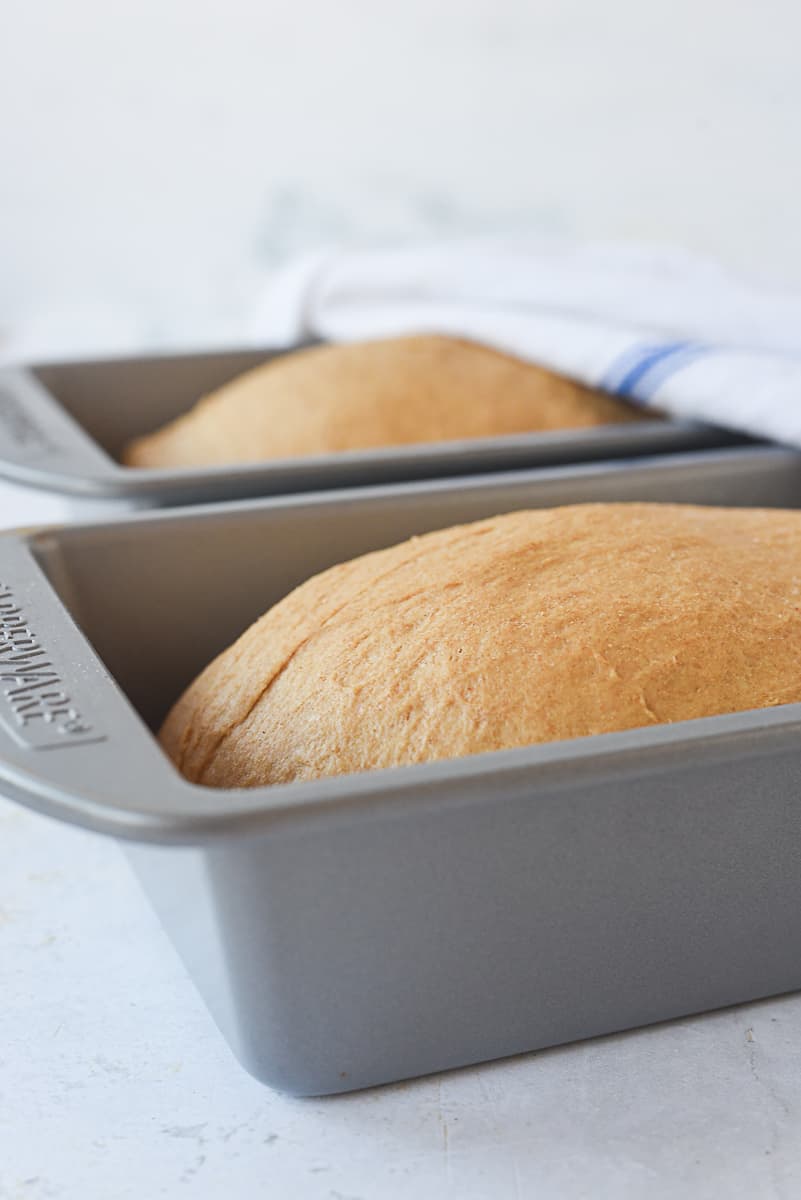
(523,628)
(383,393)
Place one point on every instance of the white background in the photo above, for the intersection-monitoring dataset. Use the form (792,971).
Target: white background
(158,156)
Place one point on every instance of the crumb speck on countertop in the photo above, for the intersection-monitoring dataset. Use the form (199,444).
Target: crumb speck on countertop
(186,1131)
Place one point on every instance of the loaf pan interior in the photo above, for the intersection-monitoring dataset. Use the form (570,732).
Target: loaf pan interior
(159,597)
(120,399)
(116,400)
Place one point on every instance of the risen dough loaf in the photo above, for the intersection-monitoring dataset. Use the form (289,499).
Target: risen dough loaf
(383,393)
(524,628)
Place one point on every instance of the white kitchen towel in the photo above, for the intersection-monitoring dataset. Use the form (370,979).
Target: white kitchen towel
(658,326)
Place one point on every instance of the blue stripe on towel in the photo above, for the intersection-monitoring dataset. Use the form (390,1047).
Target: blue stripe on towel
(621,366)
(638,372)
(662,370)
(652,356)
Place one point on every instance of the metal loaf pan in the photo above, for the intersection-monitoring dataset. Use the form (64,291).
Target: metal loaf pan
(63,427)
(362,929)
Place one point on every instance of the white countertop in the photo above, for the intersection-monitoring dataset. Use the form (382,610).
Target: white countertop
(115,1083)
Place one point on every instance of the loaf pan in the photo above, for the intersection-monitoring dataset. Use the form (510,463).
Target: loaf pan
(366,928)
(64,426)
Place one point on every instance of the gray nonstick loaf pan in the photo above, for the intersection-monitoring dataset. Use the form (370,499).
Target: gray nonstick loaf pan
(366,928)
(64,426)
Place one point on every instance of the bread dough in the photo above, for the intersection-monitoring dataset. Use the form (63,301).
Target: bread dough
(524,628)
(382,393)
